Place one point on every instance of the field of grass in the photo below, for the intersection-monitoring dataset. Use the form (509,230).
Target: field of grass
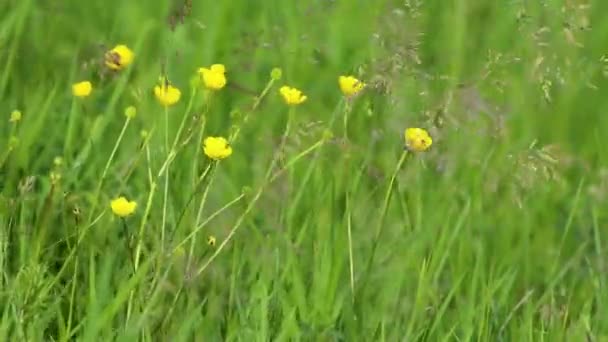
(319,226)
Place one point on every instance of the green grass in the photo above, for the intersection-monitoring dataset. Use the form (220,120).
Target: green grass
(497,233)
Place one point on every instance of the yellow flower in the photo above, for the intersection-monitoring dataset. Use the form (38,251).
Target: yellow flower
(211,240)
(119,57)
(82,89)
(213,77)
(417,139)
(350,86)
(216,148)
(123,208)
(292,96)
(15,116)
(167,94)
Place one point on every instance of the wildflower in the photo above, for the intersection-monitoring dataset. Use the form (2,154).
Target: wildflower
(167,94)
(276,74)
(82,89)
(350,86)
(122,207)
(292,96)
(211,240)
(15,116)
(130,112)
(119,57)
(417,139)
(213,77)
(217,148)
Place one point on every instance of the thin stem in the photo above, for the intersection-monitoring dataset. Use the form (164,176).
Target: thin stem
(350,248)
(207,220)
(255,105)
(106,168)
(297,158)
(347,110)
(125,229)
(166,192)
(254,200)
(69,137)
(384,210)
(140,242)
(190,199)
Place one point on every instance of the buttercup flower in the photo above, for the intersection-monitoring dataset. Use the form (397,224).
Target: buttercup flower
(167,94)
(119,57)
(122,207)
(217,148)
(350,86)
(214,77)
(15,116)
(292,96)
(82,89)
(417,139)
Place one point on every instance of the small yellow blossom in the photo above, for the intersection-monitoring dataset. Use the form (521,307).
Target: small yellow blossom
(167,94)
(417,139)
(213,77)
(15,116)
(122,207)
(292,96)
(82,89)
(350,86)
(217,148)
(119,57)
(211,240)
(130,112)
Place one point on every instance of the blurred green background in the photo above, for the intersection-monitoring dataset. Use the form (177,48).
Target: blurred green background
(496,233)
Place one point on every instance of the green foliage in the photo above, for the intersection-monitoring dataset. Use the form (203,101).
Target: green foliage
(322,232)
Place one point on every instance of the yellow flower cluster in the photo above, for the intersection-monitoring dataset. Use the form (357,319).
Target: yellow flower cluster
(214,78)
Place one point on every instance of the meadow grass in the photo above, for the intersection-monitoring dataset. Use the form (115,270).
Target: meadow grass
(318,227)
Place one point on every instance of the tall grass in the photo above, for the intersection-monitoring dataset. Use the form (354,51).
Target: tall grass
(315,228)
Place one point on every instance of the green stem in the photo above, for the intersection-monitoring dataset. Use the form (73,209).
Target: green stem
(253,201)
(67,146)
(347,110)
(125,229)
(166,192)
(384,210)
(207,220)
(105,170)
(255,105)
